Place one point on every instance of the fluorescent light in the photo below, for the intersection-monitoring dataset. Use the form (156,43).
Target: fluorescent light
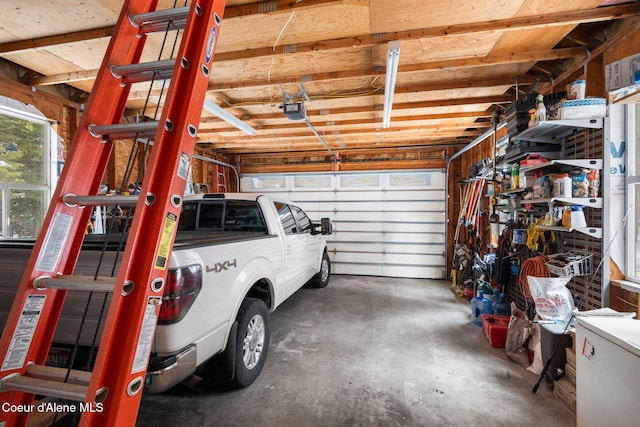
(393,56)
(228,117)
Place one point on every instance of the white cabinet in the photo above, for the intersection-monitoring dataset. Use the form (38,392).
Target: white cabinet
(607,371)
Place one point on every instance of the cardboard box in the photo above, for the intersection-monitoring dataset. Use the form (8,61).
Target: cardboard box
(570,372)
(582,109)
(571,357)
(566,392)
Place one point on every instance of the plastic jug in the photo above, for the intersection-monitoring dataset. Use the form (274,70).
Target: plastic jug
(577,218)
(502,307)
(493,297)
(479,306)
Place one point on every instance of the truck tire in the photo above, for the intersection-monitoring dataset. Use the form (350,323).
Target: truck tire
(253,341)
(321,279)
(241,362)
(238,366)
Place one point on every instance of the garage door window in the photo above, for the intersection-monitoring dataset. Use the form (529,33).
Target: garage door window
(24,169)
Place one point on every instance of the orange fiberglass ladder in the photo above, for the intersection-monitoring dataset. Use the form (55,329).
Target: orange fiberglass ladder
(110,395)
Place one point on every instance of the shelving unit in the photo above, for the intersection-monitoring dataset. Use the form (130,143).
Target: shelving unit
(555,132)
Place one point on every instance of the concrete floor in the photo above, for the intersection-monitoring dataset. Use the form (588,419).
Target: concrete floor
(369,351)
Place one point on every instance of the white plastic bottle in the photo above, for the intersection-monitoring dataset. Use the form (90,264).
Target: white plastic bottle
(566,186)
(541,111)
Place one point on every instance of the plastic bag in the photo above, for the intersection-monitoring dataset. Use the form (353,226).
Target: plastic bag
(552,299)
(517,335)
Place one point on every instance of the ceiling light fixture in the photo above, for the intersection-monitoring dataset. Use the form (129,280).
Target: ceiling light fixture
(228,117)
(393,56)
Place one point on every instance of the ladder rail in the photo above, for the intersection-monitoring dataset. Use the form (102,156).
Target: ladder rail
(124,349)
(87,153)
(147,265)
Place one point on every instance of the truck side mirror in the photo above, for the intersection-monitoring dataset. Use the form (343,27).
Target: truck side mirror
(326,226)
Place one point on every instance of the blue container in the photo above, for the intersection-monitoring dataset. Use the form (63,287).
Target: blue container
(479,306)
(502,307)
(493,297)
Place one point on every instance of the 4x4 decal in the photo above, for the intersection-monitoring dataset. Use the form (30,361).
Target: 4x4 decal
(221,266)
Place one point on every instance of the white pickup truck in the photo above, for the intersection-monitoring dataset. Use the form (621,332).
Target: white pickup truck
(236,257)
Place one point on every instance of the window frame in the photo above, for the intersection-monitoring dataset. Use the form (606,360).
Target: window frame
(632,193)
(45,188)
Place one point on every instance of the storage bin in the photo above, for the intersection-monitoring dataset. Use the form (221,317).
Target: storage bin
(582,109)
(572,263)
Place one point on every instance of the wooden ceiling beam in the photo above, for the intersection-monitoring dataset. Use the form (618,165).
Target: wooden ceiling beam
(338,127)
(400,134)
(364,150)
(316,117)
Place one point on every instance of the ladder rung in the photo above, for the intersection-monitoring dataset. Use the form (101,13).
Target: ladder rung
(125,130)
(160,20)
(144,72)
(49,388)
(120,200)
(76,283)
(54,373)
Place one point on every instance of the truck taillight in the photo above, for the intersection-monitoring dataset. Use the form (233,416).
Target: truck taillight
(181,290)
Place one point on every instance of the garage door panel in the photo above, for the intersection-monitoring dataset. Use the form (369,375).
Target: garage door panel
(404,195)
(437,217)
(343,246)
(413,271)
(359,216)
(393,227)
(415,248)
(424,227)
(409,260)
(348,236)
(359,257)
(421,238)
(359,269)
(413,206)
(344,226)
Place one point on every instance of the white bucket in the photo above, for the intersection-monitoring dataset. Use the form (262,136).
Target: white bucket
(578,89)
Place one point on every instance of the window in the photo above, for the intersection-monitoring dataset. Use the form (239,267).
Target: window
(303,219)
(230,215)
(633,193)
(244,215)
(210,215)
(24,173)
(286,218)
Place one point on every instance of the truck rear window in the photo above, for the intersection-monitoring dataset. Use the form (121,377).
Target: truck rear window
(222,215)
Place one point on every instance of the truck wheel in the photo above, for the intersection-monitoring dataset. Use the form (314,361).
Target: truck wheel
(252,342)
(321,279)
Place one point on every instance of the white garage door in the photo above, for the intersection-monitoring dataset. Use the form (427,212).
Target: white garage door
(385,223)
